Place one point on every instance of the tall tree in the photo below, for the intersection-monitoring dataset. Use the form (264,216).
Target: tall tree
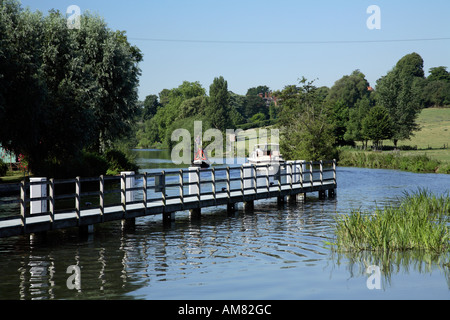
(307,131)
(62,90)
(349,89)
(377,126)
(398,91)
(218,108)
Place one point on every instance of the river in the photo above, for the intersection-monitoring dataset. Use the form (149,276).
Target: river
(275,252)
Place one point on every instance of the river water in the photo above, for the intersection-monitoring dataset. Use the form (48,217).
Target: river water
(275,252)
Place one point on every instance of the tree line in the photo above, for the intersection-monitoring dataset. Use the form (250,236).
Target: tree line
(222,109)
(68,100)
(66,95)
(313,120)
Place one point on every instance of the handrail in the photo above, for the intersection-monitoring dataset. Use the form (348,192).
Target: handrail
(208,182)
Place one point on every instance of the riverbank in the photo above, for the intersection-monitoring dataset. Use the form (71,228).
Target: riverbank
(396,160)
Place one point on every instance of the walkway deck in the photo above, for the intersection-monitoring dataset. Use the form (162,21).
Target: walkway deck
(136,195)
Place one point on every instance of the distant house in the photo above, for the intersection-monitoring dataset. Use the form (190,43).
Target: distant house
(268,98)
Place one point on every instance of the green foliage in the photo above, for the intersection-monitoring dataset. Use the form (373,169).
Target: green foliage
(218,107)
(390,160)
(3,168)
(258,90)
(349,89)
(377,125)
(258,117)
(118,162)
(186,101)
(399,92)
(307,131)
(80,85)
(419,223)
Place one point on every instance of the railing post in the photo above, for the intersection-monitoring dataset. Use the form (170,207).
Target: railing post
(123,196)
(102,197)
(242,180)
(181,186)
(321,172)
(301,173)
(311,178)
(213,178)
(144,192)
(291,176)
(52,200)
(334,171)
(228,183)
(163,193)
(38,189)
(267,181)
(23,204)
(255,178)
(78,198)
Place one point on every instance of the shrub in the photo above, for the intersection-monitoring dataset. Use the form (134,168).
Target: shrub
(118,161)
(3,168)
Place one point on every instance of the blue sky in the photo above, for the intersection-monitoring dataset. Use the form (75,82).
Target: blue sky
(240,40)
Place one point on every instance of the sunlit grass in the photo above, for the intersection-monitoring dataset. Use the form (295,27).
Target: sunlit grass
(420,222)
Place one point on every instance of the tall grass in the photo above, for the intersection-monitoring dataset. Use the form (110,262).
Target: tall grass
(391,160)
(420,222)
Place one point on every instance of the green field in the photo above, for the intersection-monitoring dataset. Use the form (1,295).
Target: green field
(434,133)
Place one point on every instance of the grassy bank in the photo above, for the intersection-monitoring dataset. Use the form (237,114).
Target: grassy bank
(420,222)
(419,163)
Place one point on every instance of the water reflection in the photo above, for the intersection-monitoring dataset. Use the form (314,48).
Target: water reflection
(274,252)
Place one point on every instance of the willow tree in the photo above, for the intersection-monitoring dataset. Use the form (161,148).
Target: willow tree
(62,90)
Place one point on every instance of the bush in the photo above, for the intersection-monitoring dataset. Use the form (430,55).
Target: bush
(118,161)
(3,168)
(413,163)
(93,165)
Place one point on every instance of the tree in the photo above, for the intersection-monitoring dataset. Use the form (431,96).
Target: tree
(218,107)
(258,90)
(62,91)
(349,89)
(150,106)
(354,131)
(399,92)
(436,88)
(343,98)
(377,126)
(307,132)
(439,73)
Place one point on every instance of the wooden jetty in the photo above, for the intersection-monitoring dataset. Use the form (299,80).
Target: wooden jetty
(42,205)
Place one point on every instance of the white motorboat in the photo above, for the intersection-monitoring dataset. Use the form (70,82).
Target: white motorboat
(266,154)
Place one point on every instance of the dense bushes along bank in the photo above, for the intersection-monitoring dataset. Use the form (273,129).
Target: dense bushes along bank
(392,160)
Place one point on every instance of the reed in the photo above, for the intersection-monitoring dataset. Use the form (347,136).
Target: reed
(421,222)
(391,160)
